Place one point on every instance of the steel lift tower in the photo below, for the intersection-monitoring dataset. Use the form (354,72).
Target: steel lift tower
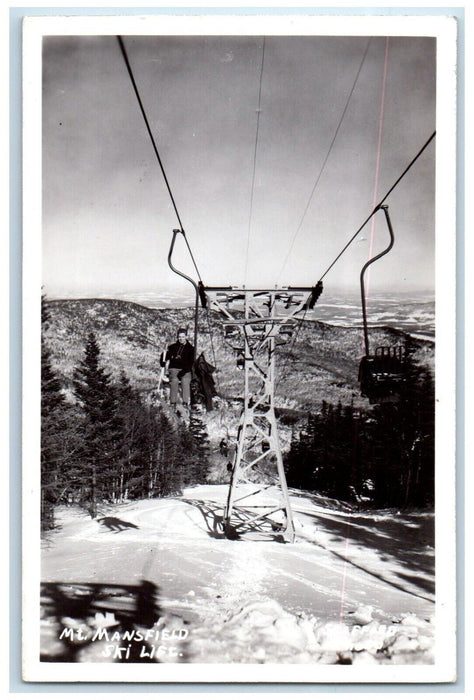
(258,504)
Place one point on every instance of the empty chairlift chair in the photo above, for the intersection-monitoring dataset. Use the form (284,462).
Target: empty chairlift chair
(381,374)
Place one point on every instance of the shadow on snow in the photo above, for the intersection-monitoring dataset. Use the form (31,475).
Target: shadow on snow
(78,613)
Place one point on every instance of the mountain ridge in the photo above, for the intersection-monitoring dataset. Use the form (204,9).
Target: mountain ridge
(321,365)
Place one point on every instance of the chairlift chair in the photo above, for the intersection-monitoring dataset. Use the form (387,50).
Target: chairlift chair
(381,374)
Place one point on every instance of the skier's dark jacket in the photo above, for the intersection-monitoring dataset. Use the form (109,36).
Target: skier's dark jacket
(180,356)
(203,372)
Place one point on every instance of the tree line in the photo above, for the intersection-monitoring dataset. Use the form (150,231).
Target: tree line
(109,444)
(382,457)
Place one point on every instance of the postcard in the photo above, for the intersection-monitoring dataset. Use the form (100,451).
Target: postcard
(239,349)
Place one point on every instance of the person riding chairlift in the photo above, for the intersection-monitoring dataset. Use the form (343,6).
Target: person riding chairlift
(178,361)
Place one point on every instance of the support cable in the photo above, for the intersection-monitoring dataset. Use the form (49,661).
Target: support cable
(325,159)
(212,349)
(155,148)
(254,160)
(378,206)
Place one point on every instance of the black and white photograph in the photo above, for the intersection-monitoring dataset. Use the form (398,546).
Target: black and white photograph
(239,349)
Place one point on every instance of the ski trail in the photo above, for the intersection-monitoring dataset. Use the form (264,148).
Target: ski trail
(246,601)
(242,581)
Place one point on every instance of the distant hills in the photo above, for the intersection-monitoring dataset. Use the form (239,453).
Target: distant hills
(322,365)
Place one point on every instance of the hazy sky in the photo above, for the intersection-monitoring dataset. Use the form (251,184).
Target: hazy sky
(108,218)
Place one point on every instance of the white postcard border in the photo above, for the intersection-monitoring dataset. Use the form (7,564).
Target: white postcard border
(444,29)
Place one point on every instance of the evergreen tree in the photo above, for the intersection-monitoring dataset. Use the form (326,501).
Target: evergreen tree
(52,405)
(339,451)
(403,441)
(296,461)
(61,442)
(165,474)
(200,448)
(100,425)
(305,455)
(144,443)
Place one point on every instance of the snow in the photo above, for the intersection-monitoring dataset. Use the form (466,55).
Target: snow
(354,588)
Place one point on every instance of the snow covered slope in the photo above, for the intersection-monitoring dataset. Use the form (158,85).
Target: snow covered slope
(154,581)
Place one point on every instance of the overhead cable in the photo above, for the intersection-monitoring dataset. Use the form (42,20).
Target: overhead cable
(325,159)
(254,158)
(378,206)
(155,148)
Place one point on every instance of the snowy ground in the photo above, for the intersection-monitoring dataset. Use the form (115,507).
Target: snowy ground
(153,582)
